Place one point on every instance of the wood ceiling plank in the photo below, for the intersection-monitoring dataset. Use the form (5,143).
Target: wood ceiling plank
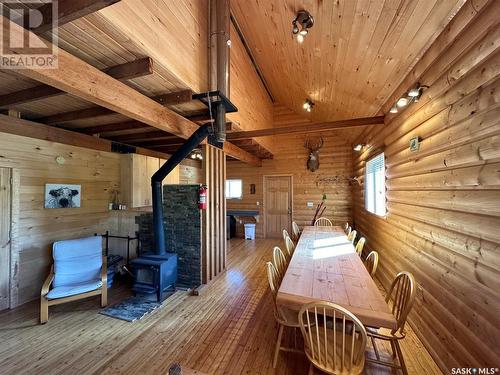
(80,79)
(130,70)
(351,60)
(69,10)
(114,127)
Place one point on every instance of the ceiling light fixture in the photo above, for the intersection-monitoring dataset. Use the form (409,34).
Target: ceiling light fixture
(305,21)
(196,154)
(308,105)
(358,147)
(394,109)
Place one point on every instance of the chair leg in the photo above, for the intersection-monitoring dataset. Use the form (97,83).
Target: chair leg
(278,346)
(311,369)
(400,357)
(104,296)
(44,311)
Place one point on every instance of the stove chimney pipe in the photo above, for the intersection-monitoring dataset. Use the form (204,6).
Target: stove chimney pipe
(156,183)
(219,43)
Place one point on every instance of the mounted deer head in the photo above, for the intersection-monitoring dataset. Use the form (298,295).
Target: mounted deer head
(313,160)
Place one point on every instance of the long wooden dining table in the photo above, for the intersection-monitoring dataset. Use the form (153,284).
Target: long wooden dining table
(326,268)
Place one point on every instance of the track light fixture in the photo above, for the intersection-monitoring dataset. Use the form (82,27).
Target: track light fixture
(412,95)
(308,105)
(301,24)
(196,154)
(358,147)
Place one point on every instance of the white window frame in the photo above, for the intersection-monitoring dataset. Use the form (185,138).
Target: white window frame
(375,193)
(229,190)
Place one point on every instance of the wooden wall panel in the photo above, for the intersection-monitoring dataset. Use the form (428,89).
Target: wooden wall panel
(35,228)
(290,159)
(443,200)
(214,248)
(5,224)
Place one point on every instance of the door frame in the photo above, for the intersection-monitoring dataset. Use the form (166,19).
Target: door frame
(13,245)
(264,191)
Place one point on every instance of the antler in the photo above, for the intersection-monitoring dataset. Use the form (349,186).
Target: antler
(306,144)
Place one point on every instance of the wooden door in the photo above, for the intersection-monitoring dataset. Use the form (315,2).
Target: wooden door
(277,205)
(5,223)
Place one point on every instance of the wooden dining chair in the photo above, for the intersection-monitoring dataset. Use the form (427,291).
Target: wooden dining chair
(403,287)
(296,231)
(280,262)
(284,317)
(285,234)
(348,231)
(352,236)
(290,246)
(346,227)
(360,245)
(323,222)
(334,338)
(371,263)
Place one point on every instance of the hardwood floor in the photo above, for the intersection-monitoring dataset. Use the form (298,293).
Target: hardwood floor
(228,329)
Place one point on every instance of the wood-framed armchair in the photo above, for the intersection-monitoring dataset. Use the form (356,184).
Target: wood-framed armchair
(79,271)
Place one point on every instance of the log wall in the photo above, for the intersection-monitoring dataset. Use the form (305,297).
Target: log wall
(443,201)
(290,159)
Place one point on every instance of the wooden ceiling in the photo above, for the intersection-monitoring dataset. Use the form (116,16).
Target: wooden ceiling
(353,58)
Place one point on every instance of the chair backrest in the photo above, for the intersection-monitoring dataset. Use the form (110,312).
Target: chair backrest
(280,262)
(348,231)
(323,222)
(334,338)
(360,245)
(274,280)
(352,236)
(346,227)
(77,261)
(296,230)
(290,246)
(285,234)
(403,287)
(371,263)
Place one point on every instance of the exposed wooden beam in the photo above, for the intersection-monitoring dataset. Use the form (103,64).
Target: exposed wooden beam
(160,142)
(130,70)
(174,98)
(84,81)
(153,135)
(79,114)
(82,114)
(119,126)
(307,128)
(69,10)
(35,130)
(242,155)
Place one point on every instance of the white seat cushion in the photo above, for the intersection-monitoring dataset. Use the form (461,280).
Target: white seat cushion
(72,289)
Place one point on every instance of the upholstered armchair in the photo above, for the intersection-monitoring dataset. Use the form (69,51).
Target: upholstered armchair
(79,271)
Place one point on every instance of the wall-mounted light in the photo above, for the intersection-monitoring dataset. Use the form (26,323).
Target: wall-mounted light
(413,95)
(358,147)
(196,155)
(301,24)
(308,105)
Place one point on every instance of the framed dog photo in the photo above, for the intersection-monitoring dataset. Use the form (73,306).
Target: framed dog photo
(62,196)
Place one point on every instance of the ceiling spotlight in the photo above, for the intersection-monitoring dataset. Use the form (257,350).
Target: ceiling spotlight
(402,102)
(414,92)
(308,105)
(394,109)
(358,147)
(306,21)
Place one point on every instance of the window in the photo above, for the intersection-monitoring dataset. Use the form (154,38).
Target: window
(234,189)
(375,185)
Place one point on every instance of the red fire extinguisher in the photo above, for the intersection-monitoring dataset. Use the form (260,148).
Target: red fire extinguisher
(202,200)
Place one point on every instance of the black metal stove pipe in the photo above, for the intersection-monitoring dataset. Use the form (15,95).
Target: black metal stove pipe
(156,184)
